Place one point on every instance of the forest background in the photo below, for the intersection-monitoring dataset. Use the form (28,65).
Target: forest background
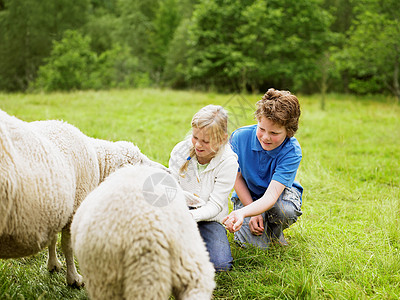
(346,245)
(307,46)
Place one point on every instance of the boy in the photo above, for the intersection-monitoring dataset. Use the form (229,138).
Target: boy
(268,157)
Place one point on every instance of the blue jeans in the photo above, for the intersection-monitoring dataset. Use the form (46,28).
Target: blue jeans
(217,244)
(284,213)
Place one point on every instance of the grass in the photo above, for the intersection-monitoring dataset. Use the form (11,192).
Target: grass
(346,244)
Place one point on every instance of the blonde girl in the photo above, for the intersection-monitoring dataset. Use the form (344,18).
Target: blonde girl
(206,168)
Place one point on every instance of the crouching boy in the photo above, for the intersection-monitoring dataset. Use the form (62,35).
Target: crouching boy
(267,199)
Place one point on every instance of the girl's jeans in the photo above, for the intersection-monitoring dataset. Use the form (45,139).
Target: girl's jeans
(214,235)
(283,214)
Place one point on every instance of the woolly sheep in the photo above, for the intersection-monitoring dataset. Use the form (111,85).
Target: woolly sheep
(46,170)
(113,155)
(134,238)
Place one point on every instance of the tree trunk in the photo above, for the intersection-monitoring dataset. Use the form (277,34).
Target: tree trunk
(324,78)
(396,87)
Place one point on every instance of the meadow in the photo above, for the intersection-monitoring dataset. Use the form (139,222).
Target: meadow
(345,245)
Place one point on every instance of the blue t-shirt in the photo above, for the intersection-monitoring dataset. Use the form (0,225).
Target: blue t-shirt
(258,166)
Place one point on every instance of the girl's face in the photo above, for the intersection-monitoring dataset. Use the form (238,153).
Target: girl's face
(202,145)
(269,134)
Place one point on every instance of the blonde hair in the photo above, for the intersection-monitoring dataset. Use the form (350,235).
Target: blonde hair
(214,119)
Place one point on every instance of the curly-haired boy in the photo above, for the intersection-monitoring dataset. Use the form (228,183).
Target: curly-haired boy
(267,199)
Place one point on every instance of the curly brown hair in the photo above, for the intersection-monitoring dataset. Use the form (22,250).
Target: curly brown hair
(281,107)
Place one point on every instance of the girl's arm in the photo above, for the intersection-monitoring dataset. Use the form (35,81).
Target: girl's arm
(235,219)
(224,181)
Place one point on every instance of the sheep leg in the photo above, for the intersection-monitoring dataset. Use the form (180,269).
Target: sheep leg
(73,278)
(53,264)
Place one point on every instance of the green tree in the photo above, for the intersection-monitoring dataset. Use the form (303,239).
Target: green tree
(342,12)
(372,53)
(176,65)
(164,24)
(27,29)
(176,70)
(102,26)
(214,54)
(117,68)
(135,24)
(257,43)
(73,65)
(69,65)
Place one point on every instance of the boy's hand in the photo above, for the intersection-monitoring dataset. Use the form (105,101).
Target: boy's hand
(256,225)
(233,221)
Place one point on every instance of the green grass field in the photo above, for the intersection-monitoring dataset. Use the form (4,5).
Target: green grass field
(346,244)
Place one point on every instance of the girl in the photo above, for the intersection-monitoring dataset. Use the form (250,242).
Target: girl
(206,167)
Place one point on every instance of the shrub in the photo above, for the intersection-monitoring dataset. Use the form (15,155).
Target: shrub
(72,65)
(69,65)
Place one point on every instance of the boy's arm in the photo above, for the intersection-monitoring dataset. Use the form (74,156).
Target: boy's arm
(265,203)
(242,191)
(256,223)
(235,219)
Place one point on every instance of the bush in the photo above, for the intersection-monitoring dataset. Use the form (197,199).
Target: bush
(117,68)
(72,65)
(69,66)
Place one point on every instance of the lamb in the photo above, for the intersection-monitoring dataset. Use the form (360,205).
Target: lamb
(47,168)
(134,238)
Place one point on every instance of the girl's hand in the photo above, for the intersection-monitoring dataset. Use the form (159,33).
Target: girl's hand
(256,225)
(233,221)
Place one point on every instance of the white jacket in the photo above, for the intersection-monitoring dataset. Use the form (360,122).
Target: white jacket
(213,185)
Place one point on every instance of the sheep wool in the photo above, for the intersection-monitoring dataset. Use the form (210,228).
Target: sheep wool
(134,238)
(113,155)
(46,169)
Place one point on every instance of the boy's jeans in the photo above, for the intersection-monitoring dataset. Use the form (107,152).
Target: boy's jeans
(283,214)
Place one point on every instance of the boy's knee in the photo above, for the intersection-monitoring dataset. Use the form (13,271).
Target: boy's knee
(286,215)
(291,213)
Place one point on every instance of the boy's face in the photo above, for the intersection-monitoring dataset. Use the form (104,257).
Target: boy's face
(269,134)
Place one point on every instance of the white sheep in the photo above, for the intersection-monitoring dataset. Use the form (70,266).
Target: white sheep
(47,168)
(134,238)
(113,155)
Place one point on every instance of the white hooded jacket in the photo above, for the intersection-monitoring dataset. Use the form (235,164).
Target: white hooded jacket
(212,186)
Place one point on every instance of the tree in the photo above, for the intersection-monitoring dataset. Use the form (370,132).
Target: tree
(213,51)
(342,12)
(372,53)
(176,64)
(73,65)
(27,30)
(134,27)
(102,25)
(164,24)
(69,65)
(175,73)
(257,43)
